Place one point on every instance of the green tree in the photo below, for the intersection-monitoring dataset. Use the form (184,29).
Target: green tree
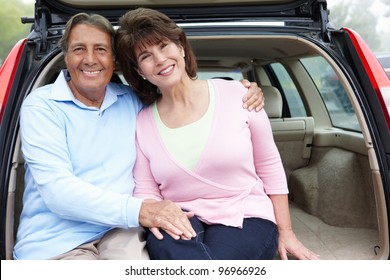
(11,27)
(357,16)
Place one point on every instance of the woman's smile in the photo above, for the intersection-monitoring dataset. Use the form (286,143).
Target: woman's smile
(167,71)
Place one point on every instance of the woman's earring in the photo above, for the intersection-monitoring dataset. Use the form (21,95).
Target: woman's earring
(143,77)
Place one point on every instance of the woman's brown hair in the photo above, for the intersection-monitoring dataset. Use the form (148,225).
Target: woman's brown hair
(144,27)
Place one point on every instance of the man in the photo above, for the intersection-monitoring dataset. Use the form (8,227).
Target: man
(78,141)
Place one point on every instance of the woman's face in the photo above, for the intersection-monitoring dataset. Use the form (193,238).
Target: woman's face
(162,64)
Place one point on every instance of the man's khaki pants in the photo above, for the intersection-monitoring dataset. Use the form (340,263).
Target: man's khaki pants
(117,244)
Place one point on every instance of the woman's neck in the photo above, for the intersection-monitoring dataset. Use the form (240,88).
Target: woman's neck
(184,104)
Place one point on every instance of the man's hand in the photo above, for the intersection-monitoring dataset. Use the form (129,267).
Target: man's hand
(168,216)
(254,98)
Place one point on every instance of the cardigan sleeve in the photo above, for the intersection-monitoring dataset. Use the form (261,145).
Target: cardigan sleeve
(145,184)
(266,156)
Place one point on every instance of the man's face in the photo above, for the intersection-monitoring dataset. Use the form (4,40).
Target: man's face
(90,61)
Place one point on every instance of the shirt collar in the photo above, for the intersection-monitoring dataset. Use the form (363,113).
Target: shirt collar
(62,92)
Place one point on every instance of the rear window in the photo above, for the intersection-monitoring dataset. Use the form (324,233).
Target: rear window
(293,99)
(332,92)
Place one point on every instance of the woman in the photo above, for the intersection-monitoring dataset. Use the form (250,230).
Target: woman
(199,149)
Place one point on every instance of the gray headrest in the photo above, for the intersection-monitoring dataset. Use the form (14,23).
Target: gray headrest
(273,101)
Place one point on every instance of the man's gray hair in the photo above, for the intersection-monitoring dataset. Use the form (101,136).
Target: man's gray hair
(95,20)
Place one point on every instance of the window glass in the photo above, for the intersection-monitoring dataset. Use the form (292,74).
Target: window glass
(291,94)
(332,92)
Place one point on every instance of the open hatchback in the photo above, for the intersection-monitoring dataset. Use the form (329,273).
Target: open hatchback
(327,97)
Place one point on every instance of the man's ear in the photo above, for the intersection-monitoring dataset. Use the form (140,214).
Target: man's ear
(66,59)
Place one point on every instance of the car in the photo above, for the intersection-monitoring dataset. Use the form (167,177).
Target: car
(384,60)
(326,95)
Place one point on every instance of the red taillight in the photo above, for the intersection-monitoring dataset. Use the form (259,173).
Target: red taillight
(375,71)
(7,73)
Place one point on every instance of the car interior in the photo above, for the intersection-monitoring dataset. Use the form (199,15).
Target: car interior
(336,194)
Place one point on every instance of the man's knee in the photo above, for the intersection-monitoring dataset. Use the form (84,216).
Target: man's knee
(124,244)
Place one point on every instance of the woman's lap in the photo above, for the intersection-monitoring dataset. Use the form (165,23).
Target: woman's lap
(256,240)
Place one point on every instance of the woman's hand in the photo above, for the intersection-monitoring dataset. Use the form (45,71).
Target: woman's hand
(289,244)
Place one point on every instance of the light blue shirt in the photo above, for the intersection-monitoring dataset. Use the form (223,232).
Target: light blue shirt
(79,168)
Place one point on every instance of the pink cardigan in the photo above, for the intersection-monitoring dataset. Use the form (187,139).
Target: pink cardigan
(238,168)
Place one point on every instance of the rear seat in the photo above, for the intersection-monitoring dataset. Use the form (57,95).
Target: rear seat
(293,136)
